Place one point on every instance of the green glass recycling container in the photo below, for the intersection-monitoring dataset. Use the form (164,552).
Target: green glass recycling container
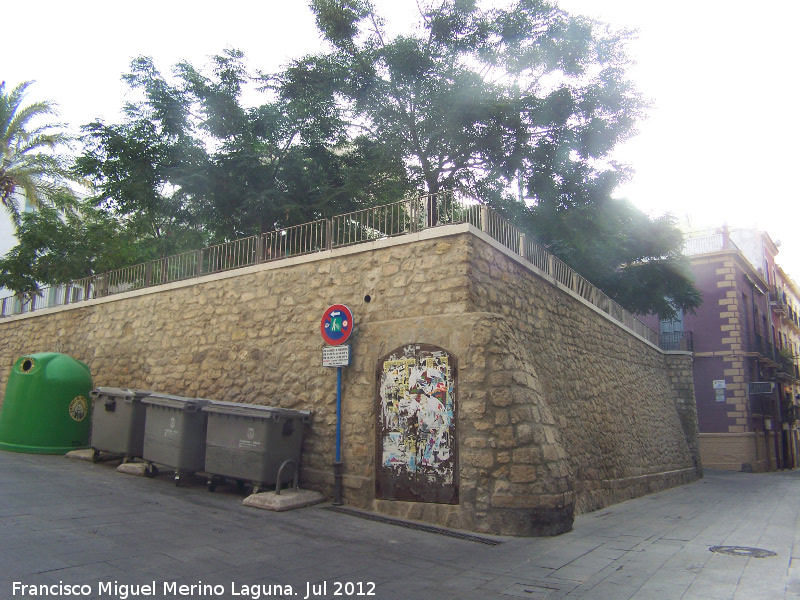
(46,406)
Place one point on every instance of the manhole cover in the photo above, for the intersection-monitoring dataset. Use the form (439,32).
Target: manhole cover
(743,551)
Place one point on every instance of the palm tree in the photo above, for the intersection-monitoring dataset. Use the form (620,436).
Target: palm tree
(30,165)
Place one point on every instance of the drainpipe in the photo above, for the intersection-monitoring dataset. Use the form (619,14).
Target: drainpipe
(750,396)
(777,424)
(779,458)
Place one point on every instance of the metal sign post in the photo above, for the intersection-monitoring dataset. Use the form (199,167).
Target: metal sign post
(337,463)
(336,326)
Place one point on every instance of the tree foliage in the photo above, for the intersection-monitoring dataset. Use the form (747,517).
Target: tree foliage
(480,99)
(634,259)
(192,158)
(142,170)
(519,108)
(65,240)
(283,162)
(30,165)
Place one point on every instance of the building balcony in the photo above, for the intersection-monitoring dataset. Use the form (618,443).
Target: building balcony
(789,413)
(777,301)
(791,319)
(676,341)
(759,347)
(708,244)
(787,368)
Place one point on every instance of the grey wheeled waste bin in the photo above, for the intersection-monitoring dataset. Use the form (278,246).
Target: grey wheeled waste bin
(175,433)
(249,443)
(118,417)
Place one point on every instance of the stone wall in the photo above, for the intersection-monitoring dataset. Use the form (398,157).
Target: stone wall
(610,392)
(559,408)
(679,368)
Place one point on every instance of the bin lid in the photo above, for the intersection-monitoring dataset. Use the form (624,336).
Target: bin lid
(124,394)
(179,402)
(257,411)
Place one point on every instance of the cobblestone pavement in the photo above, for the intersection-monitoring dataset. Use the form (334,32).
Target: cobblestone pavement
(85,531)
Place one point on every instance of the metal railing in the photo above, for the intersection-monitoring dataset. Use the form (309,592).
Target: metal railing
(789,366)
(294,241)
(759,344)
(708,243)
(369,224)
(676,340)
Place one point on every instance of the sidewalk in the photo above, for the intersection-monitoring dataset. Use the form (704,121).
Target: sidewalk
(70,523)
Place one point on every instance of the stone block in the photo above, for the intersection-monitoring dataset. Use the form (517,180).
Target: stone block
(481,460)
(522,473)
(526,455)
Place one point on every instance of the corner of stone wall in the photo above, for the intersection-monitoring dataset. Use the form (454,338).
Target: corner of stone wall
(514,472)
(511,452)
(681,378)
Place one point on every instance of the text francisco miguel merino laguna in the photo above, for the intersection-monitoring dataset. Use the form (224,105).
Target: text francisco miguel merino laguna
(124,591)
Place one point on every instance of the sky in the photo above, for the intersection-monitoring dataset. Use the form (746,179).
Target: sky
(719,145)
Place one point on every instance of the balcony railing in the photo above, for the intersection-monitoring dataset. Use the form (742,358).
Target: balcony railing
(707,244)
(788,367)
(777,301)
(676,340)
(758,344)
(404,217)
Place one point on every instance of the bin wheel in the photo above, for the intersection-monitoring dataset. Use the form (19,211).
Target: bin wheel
(95,455)
(256,488)
(212,484)
(150,470)
(177,479)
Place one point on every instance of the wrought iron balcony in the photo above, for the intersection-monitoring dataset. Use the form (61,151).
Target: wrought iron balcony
(791,318)
(777,301)
(707,244)
(676,340)
(788,368)
(759,345)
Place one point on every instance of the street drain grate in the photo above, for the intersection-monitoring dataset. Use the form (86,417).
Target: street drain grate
(743,551)
(416,526)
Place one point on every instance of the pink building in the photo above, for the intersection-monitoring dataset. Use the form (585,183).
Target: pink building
(745,340)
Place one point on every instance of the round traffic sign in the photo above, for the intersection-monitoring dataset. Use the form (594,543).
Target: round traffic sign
(336,325)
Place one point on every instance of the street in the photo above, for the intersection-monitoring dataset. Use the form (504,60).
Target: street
(78,529)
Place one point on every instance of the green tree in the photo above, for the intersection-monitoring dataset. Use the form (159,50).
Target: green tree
(634,259)
(479,99)
(66,240)
(144,171)
(191,164)
(285,161)
(519,108)
(30,165)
